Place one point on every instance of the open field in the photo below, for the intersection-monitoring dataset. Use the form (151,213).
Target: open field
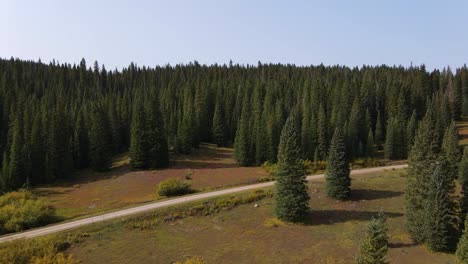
(246,234)
(90,193)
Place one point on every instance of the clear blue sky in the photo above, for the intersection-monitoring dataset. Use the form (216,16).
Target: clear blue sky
(351,33)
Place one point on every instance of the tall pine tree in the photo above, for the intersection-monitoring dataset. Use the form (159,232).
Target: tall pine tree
(291,197)
(337,178)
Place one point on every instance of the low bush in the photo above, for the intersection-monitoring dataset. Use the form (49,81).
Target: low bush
(173,187)
(22,210)
(366,163)
(46,250)
(270,167)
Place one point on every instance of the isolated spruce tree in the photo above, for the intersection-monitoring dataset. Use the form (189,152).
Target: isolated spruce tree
(462,247)
(337,178)
(100,140)
(439,218)
(374,246)
(423,155)
(463,179)
(291,197)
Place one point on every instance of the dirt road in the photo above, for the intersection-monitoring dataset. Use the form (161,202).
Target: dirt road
(41,231)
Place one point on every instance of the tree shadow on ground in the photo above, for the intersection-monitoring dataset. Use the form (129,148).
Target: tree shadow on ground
(365,194)
(402,245)
(330,217)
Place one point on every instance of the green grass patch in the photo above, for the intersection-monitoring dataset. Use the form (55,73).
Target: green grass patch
(202,208)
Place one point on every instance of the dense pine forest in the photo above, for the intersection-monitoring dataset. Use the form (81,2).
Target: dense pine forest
(58,118)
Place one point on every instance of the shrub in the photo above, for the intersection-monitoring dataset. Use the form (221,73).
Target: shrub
(22,210)
(366,163)
(270,167)
(36,251)
(173,187)
(58,258)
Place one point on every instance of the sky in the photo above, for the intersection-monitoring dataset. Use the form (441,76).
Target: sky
(351,33)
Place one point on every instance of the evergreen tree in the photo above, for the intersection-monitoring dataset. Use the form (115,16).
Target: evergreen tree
(374,246)
(411,129)
(421,159)
(100,140)
(370,145)
(337,178)
(292,199)
(139,145)
(450,150)
(322,133)
(439,220)
(243,151)
(219,126)
(16,173)
(390,140)
(158,151)
(80,144)
(379,134)
(462,247)
(463,178)
(37,151)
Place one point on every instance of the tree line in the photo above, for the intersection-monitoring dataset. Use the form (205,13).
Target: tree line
(58,118)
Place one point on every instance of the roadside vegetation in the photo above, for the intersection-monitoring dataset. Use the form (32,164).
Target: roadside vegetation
(23,210)
(173,187)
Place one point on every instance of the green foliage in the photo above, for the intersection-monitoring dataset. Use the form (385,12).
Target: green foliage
(148,144)
(462,247)
(61,131)
(138,141)
(463,179)
(202,208)
(22,210)
(439,211)
(173,187)
(271,168)
(423,155)
(100,140)
(337,180)
(395,147)
(291,197)
(374,246)
(219,126)
(45,250)
(450,150)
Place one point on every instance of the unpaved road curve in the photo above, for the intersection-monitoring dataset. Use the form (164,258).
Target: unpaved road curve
(149,207)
